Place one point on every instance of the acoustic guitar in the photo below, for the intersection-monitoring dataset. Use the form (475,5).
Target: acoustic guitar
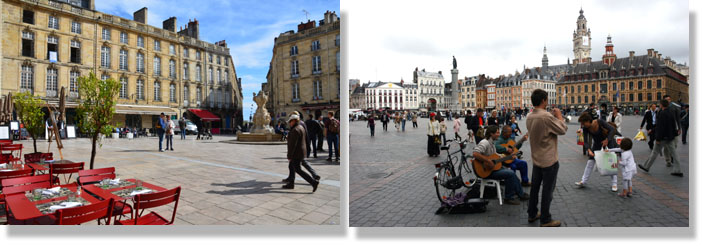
(510,145)
(479,166)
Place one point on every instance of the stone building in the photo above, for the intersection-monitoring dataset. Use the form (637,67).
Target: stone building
(431,88)
(304,73)
(47,45)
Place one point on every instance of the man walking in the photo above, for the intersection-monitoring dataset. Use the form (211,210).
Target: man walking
(404,119)
(385,119)
(676,115)
(414,120)
(665,134)
(181,124)
(649,120)
(333,129)
(296,153)
(160,130)
(544,128)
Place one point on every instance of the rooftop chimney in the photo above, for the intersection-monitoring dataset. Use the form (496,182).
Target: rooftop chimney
(631,54)
(141,15)
(650,52)
(304,26)
(170,24)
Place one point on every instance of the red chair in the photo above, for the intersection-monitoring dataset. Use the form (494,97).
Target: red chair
(20,185)
(70,169)
(36,157)
(152,200)
(11,153)
(80,215)
(11,175)
(95,175)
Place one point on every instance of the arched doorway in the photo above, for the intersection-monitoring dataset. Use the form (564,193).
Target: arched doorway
(431,105)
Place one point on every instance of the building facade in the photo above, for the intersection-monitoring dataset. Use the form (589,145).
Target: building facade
(304,73)
(431,90)
(47,45)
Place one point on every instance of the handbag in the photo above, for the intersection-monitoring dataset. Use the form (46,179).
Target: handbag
(437,140)
(640,136)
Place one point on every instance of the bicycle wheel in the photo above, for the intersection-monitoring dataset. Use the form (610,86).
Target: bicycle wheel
(467,173)
(442,178)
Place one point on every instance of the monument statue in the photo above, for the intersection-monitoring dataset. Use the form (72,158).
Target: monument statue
(262,118)
(454,62)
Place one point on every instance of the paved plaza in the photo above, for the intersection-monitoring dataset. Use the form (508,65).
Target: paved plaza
(222,183)
(391,184)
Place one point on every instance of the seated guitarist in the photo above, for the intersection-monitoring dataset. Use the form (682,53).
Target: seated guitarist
(486,148)
(517,164)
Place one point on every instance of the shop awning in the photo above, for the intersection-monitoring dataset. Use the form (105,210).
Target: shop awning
(204,114)
(145,110)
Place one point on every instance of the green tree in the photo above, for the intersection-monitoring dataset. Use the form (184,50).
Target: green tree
(96,108)
(29,112)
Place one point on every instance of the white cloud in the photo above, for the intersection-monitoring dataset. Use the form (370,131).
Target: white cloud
(497,37)
(257,53)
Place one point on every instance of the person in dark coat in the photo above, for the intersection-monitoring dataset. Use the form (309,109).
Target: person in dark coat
(476,123)
(602,134)
(649,120)
(385,118)
(665,134)
(685,122)
(297,139)
(313,128)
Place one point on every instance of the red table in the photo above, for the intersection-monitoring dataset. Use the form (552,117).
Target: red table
(44,167)
(24,209)
(107,193)
(16,167)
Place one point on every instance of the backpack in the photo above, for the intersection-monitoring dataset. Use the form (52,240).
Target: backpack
(334,126)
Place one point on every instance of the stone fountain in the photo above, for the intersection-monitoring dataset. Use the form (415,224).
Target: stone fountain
(261,131)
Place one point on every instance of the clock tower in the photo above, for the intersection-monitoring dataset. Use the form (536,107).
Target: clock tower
(581,41)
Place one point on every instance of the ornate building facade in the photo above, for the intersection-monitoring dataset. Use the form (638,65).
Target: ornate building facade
(47,45)
(304,73)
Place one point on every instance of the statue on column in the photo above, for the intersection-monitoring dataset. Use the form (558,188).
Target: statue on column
(454,62)
(262,118)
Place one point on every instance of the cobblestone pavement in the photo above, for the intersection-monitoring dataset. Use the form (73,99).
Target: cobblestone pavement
(391,184)
(222,183)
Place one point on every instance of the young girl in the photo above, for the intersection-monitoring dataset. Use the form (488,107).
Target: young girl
(627,165)
(442,124)
(457,128)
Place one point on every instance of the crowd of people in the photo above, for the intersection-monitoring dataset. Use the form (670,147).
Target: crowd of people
(497,131)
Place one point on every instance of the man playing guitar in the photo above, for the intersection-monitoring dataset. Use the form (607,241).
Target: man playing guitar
(506,145)
(483,152)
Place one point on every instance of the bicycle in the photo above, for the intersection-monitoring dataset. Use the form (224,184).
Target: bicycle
(446,179)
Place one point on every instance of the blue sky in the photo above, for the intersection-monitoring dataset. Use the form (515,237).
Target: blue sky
(249,27)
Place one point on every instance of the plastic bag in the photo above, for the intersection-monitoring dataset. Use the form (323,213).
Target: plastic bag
(604,162)
(581,139)
(640,136)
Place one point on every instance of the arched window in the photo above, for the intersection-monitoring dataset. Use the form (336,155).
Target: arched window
(186,74)
(140,62)
(27,78)
(51,82)
(123,55)
(140,89)
(198,72)
(186,94)
(105,57)
(157,66)
(73,82)
(172,68)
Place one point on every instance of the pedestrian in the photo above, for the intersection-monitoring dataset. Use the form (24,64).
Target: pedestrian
(161,130)
(685,122)
(321,135)
(296,154)
(433,131)
(627,165)
(476,125)
(170,131)
(200,129)
(333,129)
(665,134)
(515,128)
(649,120)
(414,120)
(397,119)
(603,112)
(442,126)
(457,129)
(312,130)
(404,119)
(304,163)
(181,125)
(544,129)
(492,120)
(616,118)
(371,124)
(595,114)
(602,137)
(385,118)
(676,110)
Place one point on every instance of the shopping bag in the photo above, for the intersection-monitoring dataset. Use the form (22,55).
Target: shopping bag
(581,138)
(604,161)
(640,136)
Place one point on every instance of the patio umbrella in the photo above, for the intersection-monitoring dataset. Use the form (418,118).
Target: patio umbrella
(9,107)
(2,110)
